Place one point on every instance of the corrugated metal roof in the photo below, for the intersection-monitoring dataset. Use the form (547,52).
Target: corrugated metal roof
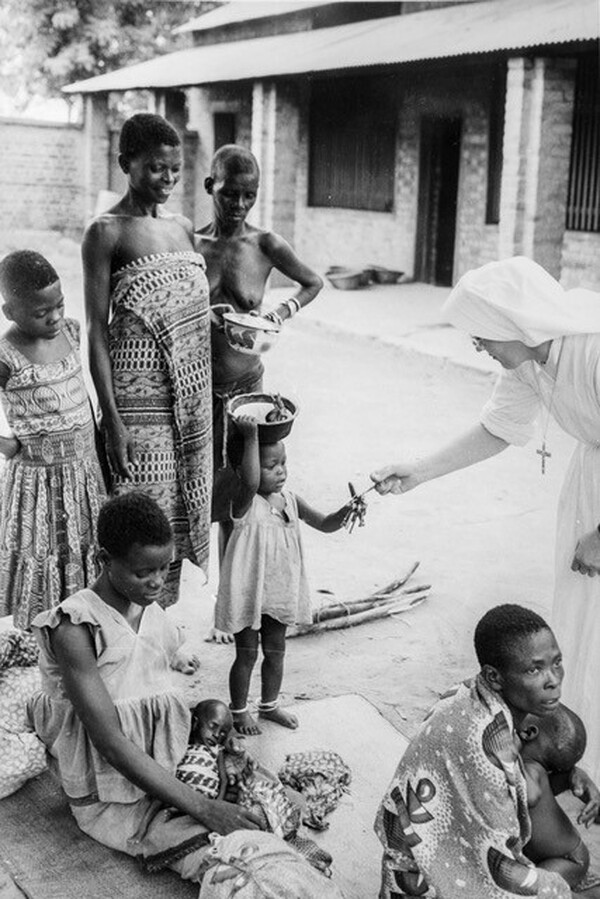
(245,11)
(432,34)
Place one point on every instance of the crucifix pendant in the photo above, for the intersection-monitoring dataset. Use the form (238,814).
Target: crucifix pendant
(543,452)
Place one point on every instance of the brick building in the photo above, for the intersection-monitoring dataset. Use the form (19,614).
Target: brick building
(428,137)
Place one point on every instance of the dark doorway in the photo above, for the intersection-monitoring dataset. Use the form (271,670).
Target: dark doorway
(439,164)
(225,128)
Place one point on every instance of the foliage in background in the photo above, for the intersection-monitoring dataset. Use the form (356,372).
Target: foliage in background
(45,44)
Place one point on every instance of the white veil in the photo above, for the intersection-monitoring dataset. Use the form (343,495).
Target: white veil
(516,299)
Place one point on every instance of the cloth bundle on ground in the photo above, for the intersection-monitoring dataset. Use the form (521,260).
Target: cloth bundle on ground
(22,754)
(252,787)
(257,865)
(454,820)
(261,792)
(322,777)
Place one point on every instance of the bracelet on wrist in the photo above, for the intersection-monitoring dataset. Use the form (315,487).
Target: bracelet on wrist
(292,305)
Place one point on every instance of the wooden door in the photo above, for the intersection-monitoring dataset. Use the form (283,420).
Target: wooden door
(439,165)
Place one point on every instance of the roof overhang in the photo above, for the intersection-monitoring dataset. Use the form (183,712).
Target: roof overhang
(451,31)
(236,12)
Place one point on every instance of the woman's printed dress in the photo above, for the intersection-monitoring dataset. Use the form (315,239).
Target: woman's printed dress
(159,343)
(52,489)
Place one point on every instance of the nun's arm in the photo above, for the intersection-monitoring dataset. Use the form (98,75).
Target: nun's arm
(471,447)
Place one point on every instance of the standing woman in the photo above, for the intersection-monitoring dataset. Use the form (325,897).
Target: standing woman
(547,341)
(147,307)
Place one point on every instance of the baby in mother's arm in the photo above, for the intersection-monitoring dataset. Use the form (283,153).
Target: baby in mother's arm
(550,748)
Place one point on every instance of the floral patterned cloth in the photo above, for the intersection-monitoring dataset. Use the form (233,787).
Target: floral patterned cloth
(22,754)
(454,819)
(322,777)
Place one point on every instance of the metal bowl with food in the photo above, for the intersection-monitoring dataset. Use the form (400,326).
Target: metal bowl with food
(274,414)
(251,334)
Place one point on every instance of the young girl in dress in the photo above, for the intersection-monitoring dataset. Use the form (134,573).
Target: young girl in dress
(263,586)
(51,485)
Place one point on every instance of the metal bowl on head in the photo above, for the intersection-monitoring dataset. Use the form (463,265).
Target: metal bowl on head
(261,406)
(251,334)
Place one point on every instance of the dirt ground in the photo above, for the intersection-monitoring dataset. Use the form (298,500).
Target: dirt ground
(482,536)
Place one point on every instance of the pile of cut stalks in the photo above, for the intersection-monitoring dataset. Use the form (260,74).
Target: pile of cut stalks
(390,600)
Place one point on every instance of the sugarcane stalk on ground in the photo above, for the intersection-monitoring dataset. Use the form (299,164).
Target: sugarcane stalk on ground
(381,610)
(339,609)
(387,601)
(342,608)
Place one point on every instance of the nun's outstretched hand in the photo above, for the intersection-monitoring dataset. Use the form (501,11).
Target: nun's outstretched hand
(399,478)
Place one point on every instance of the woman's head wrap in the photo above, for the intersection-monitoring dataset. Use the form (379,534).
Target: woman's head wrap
(516,299)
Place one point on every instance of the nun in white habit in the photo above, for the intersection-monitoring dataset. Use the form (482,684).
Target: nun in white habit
(547,341)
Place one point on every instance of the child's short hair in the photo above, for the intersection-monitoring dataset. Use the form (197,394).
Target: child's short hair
(23,271)
(567,739)
(502,627)
(200,711)
(132,517)
(233,160)
(144,131)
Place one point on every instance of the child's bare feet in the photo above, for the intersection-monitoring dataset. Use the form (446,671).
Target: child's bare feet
(278,715)
(244,723)
(217,636)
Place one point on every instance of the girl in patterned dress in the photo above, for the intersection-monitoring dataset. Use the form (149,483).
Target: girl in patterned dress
(51,485)
(263,586)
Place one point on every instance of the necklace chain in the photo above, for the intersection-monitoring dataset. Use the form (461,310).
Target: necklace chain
(542,451)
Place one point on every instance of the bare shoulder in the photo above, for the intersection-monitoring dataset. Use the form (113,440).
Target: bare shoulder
(537,779)
(181,220)
(270,242)
(534,768)
(177,220)
(103,231)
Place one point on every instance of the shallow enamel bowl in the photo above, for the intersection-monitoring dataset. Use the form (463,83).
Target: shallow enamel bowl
(251,334)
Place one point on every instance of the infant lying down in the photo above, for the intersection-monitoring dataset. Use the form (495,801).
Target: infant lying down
(217,765)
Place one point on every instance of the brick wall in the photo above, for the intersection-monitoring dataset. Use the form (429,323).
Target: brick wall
(580,263)
(41,176)
(554,162)
(537,147)
(358,237)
